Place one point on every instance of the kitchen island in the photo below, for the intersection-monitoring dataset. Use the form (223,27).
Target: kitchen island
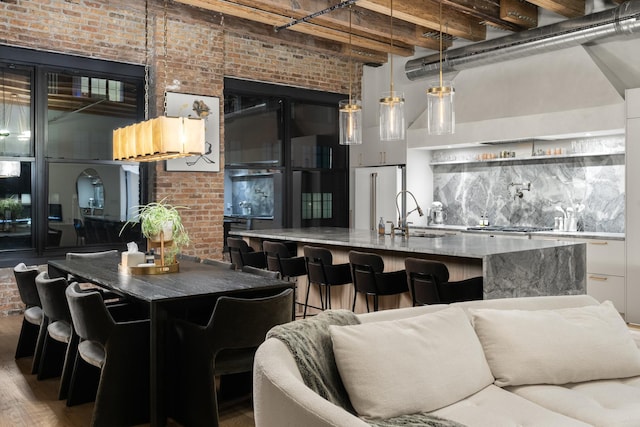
(511,267)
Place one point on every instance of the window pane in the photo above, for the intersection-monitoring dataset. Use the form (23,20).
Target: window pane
(99,203)
(15,113)
(15,206)
(252,130)
(81,118)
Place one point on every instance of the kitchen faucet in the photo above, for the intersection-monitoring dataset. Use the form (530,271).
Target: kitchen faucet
(403,225)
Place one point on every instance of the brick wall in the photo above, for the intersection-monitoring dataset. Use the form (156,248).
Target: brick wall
(201,49)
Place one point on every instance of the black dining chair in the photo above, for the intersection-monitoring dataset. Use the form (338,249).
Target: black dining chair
(369,278)
(242,254)
(323,272)
(120,350)
(56,339)
(261,272)
(32,317)
(225,345)
(280,259)
(429,283)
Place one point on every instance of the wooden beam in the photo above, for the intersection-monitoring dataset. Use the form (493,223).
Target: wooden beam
(566,8)
(487,12)
(426,13)
(519,12)
(250,12)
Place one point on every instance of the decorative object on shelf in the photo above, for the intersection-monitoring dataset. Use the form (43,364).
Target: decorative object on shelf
(161,138)
(392,126)
(161,224)
(207,108)
(440,106)
(350,109)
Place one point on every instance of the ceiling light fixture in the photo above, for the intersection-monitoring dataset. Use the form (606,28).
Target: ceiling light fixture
(392,126)
(440,106)
(350,109)
(163,137)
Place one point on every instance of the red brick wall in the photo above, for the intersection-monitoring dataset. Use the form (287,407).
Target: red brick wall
(202,48)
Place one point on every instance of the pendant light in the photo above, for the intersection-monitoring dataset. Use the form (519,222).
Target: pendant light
(350,115)
(161,138)
(440,107)
(392,103)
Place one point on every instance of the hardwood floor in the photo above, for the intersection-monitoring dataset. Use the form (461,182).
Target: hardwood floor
(25,401)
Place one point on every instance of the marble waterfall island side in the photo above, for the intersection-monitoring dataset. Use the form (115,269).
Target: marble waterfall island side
(511,266)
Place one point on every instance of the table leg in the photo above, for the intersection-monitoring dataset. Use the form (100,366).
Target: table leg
(157,363)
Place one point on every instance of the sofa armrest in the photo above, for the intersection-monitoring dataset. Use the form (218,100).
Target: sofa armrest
(281,399)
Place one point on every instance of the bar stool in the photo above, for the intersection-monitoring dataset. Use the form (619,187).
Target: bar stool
(325,274)
(369,278)
(279,259)
(242,254)
(429,284)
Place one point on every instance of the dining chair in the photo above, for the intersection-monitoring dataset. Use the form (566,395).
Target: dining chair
(369,278)
(225,345)
(56,339)
(429,283)
(323,272)
(88,256)
(280,259)
(120,350)
(32,318)
(261,272)
(242,254)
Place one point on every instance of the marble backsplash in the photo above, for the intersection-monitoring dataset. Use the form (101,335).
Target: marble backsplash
(470,190)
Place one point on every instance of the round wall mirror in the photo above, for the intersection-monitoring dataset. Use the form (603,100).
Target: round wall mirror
(90,193)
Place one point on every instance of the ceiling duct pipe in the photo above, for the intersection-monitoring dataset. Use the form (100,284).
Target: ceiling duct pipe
(622,20)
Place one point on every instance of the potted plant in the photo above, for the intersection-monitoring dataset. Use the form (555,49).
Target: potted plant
(10,210)
(161,221)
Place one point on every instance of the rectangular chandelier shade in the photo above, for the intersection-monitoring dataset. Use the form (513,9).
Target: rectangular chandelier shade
(161,138)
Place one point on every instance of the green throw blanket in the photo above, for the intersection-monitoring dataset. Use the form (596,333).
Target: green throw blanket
(309,341)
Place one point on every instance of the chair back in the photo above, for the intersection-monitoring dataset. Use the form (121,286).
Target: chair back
(52,297)
(364,267)
(425,279)
(243,323)
(26,281)
(317,260)
(237,247)
(275,251)
(91,319)
(89,255)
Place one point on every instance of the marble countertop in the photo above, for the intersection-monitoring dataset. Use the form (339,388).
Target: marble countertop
(467,245)
(556,234)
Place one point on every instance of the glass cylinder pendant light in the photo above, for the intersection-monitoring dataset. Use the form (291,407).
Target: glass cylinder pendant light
(350,115)
(440,106)
(392,125)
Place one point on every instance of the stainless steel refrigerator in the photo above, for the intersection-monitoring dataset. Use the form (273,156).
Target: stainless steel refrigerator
(376,189)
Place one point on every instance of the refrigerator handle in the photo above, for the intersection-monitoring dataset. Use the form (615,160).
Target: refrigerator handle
(372,201)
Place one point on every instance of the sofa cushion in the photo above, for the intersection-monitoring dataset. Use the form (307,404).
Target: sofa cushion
(494,406)
(556,346)
(606,403)
(411,365)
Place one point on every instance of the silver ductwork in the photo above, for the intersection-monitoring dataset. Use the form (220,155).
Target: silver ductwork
(622,20)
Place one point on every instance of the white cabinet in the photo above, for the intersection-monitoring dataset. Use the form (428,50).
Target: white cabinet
(373,152)
(605,269)
(632,205)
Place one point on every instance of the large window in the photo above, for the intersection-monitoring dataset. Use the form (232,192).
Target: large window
(282,153)
(59,187)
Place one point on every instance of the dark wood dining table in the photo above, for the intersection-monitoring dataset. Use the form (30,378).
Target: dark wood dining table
(195,285)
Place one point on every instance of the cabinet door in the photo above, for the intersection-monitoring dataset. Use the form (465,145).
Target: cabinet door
(603,287)
(605,257)
(393,152)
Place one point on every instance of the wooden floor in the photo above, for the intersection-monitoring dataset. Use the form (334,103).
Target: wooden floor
(25,401)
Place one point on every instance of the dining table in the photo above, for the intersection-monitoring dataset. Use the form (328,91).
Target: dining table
(194,286)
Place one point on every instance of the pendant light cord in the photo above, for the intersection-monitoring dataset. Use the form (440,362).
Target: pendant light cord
(391,44)
(440,43)
(146,59)
(350,50)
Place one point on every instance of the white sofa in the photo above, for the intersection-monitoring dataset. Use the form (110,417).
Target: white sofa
(584,368)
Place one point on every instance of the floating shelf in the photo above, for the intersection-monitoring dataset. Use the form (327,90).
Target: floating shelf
(529,158)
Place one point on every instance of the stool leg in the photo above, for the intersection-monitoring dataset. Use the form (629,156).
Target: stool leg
(306,300)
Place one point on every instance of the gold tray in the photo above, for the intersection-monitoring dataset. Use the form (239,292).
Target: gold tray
(149,269)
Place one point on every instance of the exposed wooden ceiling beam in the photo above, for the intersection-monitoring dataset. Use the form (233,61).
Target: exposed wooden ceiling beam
(566,8)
